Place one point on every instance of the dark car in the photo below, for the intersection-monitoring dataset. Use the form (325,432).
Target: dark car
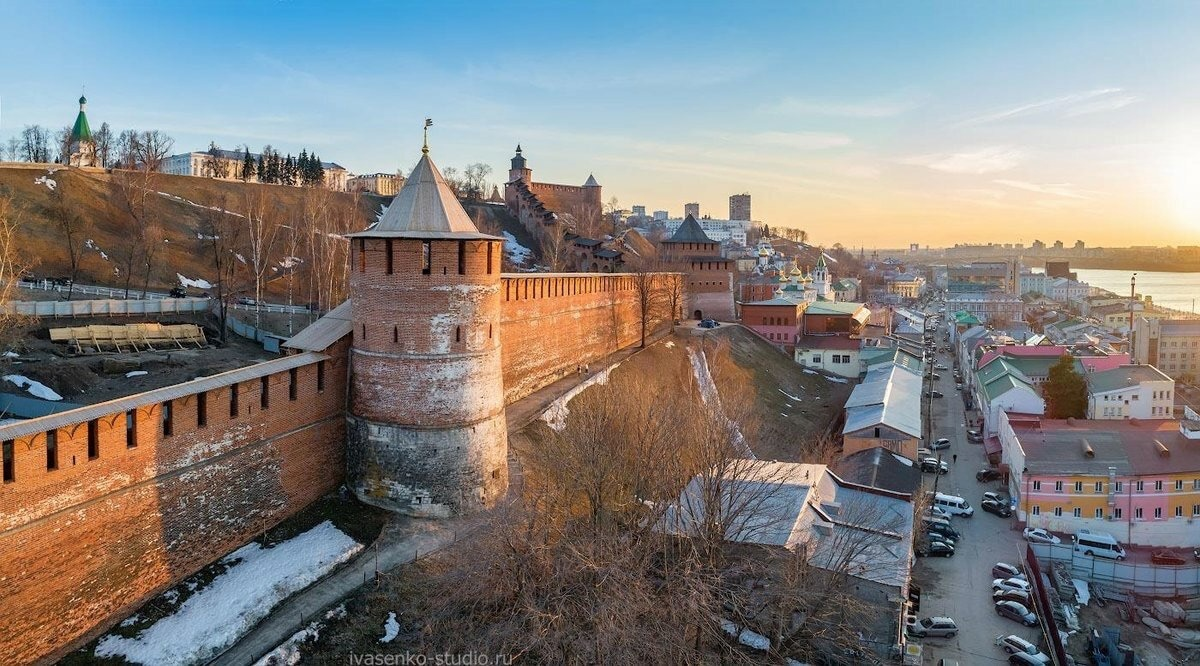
(1015,611)
(935,531)
(1016,596)
(178,292)
(709,323)
(1023,659)
(935,549)
(985,475)
(999,508)
(933,394)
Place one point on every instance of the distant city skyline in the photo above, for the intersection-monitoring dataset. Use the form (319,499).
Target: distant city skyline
(869,124)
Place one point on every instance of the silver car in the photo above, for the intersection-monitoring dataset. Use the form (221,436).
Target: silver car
(934,627)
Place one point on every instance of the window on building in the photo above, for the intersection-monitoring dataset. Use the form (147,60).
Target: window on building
(1157,512)
(131,439)
(168,418)
(1058,486)
(201,409)
(320,376)
(1178,484)
(1037,485)
(1079,486)
(93,432)
(1158,485)
(10,464)
(388,250)
(489,258)
(1117,512)
(52,449)
(293,384)
(1196,510)
(1139,486)
(1195,484)
(1037,510)
(1117,485)
(1179,511)
(462,257)
(816,358)
(362,255)
(426,257)
(1099,486)
(1078,512)
(1099,513)
(233,401)
(1137,513)
(1058,511)
(264,392)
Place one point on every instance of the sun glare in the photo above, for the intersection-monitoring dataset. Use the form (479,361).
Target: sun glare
(1182,180)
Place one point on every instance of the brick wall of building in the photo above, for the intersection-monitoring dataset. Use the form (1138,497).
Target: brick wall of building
(552,323)
(89,541)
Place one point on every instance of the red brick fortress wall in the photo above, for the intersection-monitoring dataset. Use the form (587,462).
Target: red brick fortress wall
(111,525)
(552,323)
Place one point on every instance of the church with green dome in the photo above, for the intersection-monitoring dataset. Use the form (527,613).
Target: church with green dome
(82,148)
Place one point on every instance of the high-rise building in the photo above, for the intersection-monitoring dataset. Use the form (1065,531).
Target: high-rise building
(692,209)
(661,215)
(739,206)
(639,211)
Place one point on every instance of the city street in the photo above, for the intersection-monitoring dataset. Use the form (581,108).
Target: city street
(960,586)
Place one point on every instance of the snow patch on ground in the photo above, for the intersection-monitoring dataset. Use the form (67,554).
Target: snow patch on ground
(36,389)
(289,262)
(130,621)
(136,373)
(193,203)
(789,395)
(197,283)
(838,380)
(215,617)
(390,628)
(288,652)
(669,344)
(556,414)
(517,253)
(239,257)
(10,354)
(380,214)
(710,396)
(810,372)
(746,637)
(50,183)
(829,257)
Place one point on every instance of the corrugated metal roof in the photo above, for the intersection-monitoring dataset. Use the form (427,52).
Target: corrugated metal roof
(888,395)
(1125,376)
(319,335)
(689,232)
(63,419)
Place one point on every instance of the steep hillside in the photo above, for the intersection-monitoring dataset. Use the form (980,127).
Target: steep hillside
(92,193)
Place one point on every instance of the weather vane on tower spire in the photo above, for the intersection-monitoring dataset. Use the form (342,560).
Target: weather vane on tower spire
(425,148)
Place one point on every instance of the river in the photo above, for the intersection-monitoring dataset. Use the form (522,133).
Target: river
(1170,290)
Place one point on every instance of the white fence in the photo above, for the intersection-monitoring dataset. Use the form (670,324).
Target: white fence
(1142,578)
(105,308)
(272,307)
(92,290)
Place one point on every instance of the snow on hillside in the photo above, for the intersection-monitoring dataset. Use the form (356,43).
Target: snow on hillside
(49,182)
(197,283)
(556,414)
(829,258)
(36,389)
(193,203)
(517,253)
(235,601)
(712,398)
(288,652)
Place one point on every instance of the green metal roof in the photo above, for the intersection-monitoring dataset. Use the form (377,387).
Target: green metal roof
(833,308)
(1125,376)
(81,131)
(1004,384)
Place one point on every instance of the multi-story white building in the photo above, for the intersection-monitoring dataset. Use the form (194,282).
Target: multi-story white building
(1171,345)
(1065,290)
(994,308)
(1130,391)
(384,184)
(193,164)
(718,230)
(1032,283)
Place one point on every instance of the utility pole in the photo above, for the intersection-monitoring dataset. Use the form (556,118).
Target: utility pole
(1132,296)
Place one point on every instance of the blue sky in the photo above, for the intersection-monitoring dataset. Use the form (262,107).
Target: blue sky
(872,124)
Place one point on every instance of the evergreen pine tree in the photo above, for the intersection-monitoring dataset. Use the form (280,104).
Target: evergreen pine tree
(260,170)
(248,168)
(302,167)
(318,171)
(1065,390)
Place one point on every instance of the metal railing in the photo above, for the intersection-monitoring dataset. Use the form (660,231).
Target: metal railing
(106,307)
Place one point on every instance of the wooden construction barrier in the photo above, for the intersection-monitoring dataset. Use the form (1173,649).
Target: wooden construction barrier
(129,337)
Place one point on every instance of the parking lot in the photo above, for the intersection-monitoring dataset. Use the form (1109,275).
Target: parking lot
(960,586)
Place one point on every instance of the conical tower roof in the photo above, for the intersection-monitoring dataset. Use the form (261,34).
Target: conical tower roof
(821,260)
(689,232)
(81,131)
(425,208)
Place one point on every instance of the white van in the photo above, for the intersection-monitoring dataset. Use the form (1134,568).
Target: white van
(953,505)
(1098,544)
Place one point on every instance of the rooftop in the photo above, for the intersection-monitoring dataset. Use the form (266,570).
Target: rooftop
(834,308)
(1131,446)
(689,232)
(1123,377)
(890,394)
(879,468)
(835,341)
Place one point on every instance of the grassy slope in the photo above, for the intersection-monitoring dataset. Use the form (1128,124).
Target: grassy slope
(92,194)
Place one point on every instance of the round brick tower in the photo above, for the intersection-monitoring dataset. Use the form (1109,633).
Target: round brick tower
(427,433)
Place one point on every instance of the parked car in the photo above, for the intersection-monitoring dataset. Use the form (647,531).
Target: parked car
(1039,535)
(935,549)
(924,453)
(1023,659)
(930,465)
(986,475)
(1010,584)
(938,512)
(939,366)
(958,386)
(940,444)
(933,394)
(933,627)
(709,323)
(1017,645)
(1006,570)
(974,436)
(178,292)
(933,375)
(1015,611)
(943,531)
(246,300)
(1018,596)
(999,508)
(1167,557)
(996,497)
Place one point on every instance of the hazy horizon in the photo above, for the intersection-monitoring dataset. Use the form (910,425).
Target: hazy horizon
(869,124)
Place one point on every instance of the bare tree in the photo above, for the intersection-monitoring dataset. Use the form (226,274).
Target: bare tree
(153,148)
(35,144)
(653,291)
(133,197)
(12,261)
(221,236)
(14,149)
(474,181)
(105,145)
(215,165)
(73,229)
(127,148)
(263,218)
(556,249)
(62,140)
